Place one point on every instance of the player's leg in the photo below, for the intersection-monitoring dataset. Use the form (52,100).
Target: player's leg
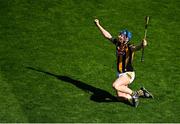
(121,86)
(127,98)
(122,95)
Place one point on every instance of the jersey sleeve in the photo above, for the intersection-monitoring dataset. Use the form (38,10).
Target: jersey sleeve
(113,40)
(135,47)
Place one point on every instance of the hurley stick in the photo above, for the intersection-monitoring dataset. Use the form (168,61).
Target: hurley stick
(145,32)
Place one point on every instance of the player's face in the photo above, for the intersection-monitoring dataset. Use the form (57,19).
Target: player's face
(122,38)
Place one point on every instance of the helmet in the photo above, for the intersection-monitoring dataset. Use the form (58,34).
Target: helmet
(126,33)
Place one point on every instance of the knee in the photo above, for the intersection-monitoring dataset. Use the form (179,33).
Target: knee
(116,86)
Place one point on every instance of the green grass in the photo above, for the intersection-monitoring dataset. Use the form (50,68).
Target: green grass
(52,59)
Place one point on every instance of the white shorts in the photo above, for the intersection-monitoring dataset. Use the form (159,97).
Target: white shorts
(129,74)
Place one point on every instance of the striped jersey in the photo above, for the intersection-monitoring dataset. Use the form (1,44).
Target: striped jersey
(124,56)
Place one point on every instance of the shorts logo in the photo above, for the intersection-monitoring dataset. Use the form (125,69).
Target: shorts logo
(129,75)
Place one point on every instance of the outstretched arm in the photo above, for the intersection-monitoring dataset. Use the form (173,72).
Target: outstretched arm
(105,33)
(140,46)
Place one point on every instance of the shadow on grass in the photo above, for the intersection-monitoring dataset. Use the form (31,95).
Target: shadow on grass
(98,95)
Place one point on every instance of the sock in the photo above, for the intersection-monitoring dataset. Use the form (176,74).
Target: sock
(130,100)
(133,92)
(140,93)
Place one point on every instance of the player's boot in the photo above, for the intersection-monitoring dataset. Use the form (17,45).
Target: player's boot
(146,93)
(135,99)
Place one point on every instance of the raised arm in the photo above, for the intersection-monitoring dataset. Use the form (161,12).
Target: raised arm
(105,33)
(140,46)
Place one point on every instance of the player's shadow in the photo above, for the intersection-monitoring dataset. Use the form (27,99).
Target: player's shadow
(98,95)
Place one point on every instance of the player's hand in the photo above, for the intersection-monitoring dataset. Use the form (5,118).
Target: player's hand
(144,42)
(96,21)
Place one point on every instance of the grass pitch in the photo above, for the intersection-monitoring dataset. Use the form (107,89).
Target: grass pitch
(56,67)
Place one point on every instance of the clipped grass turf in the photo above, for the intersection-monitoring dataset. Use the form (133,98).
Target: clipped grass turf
(56,67)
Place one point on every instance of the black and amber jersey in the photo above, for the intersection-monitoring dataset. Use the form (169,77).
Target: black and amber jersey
(124,56)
